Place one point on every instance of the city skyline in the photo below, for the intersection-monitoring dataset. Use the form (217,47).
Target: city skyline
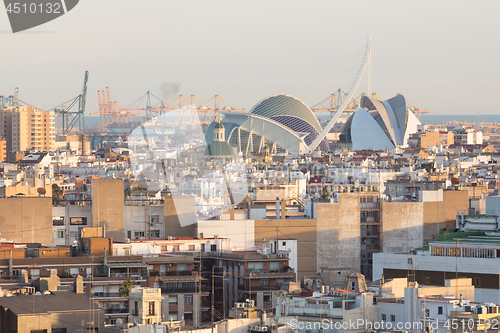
(433,53)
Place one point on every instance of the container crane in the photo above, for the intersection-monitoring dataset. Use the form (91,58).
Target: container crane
(68,117)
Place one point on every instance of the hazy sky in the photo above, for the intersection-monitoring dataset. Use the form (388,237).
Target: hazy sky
(442,55)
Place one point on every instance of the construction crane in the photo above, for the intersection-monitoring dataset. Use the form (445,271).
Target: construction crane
(110,112)
(67,117)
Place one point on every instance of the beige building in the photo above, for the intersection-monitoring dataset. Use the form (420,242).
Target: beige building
(145,305)
(108,207)
(26,220)
(3,149)
(26,127)
(436,139)
(442,206)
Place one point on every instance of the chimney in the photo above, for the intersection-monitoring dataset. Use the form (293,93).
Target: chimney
(283,209)
(78,284)
(11,271)
(231,213)
(23,277)
(277,208)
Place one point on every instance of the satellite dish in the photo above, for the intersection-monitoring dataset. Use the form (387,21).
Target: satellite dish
(41,190)
(119,321)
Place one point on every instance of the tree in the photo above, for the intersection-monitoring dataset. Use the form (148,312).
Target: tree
(125,288)
(325,194)
(57,194)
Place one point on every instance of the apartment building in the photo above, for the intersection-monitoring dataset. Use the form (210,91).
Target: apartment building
(26,127)
(473,255)
(3,149)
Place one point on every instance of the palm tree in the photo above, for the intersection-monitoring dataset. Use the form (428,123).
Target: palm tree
(125,288)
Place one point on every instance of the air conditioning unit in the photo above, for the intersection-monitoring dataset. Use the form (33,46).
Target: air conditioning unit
(82,269)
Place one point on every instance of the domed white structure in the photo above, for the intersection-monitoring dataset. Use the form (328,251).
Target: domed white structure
(380,124)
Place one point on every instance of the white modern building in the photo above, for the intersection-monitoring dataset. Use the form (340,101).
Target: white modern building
(380,124)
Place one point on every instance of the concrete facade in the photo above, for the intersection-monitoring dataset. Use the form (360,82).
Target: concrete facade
(180,219)
(144,221)
(26,220)
(303,230)
(108,206)
(401,227)
(440,208)
(338,233)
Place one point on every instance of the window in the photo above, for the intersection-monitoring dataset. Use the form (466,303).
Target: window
(393,318)
(274,267)
(78,220)
(138,234)
(191,248)
(58,220)
(384,317)
(155,233)
(213,247)
(440,310)
(267,299)
(427,280)
(58,330)
(136,308)
(155,218)
(172,300)
(182,267)
(477,282)
(129,234)
(188,300)
(152,308)
(264,282)
(256,266)
(60,234)
(283,243)
(353,286)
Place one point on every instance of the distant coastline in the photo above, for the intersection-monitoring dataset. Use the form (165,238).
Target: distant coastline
(91,121)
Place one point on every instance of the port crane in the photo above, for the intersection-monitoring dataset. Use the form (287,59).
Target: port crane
(333,102)
(110,111)
(73,113)
(184,106)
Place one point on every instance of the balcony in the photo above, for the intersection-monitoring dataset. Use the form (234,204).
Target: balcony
(99,294)
(114,311)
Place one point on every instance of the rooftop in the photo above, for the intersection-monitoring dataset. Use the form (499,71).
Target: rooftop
(57,301)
